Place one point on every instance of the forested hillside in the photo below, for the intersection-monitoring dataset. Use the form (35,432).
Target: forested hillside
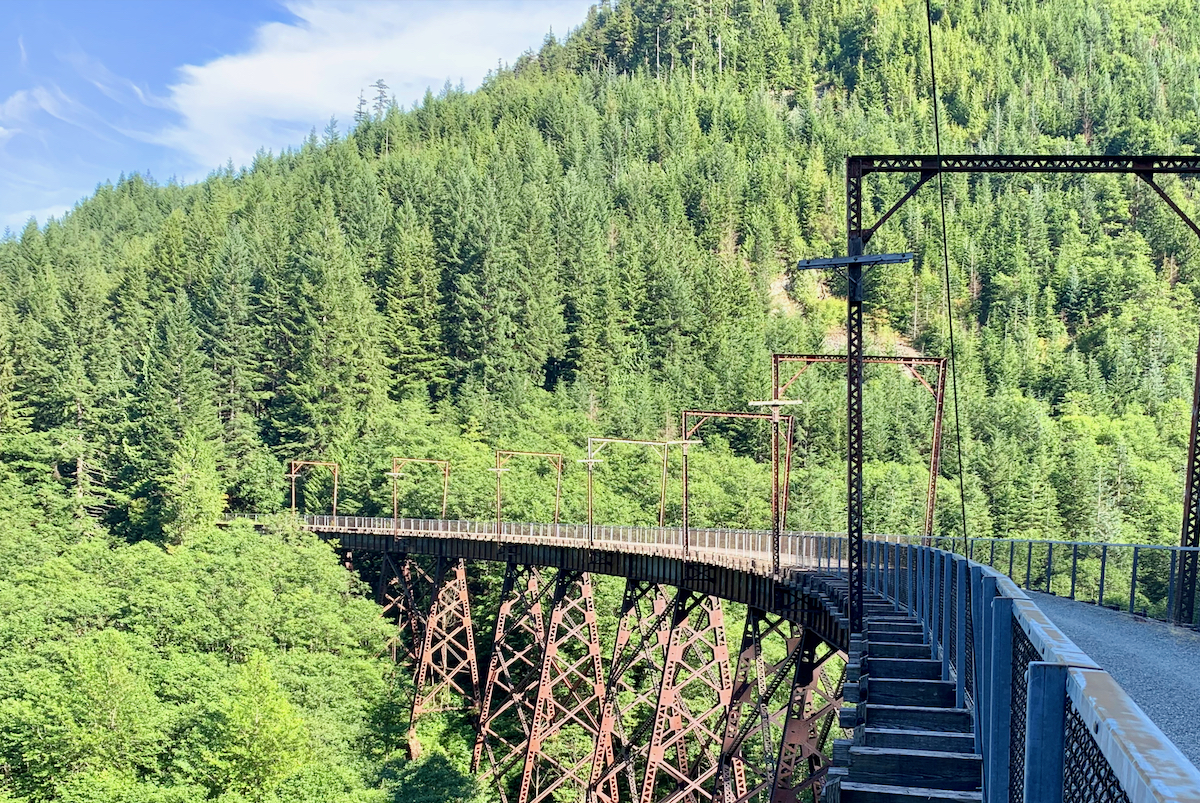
(599,236)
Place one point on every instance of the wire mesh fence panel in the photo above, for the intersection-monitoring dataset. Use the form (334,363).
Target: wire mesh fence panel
(1023,653)
(1087,775)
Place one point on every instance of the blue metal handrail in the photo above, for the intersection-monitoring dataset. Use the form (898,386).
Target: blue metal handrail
(1081,732)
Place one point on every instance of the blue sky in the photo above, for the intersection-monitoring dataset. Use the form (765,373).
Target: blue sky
(91,90)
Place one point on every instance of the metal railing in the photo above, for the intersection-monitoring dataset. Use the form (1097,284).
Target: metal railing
(1142,579)
(1049,723)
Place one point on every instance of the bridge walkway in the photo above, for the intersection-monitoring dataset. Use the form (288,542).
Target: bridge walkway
(916,742)
(1156,663)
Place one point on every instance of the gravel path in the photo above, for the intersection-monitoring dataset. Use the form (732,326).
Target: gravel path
(1157,664)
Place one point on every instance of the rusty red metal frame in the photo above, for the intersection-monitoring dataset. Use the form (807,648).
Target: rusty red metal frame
(556,460)
(596,445)
(812,713)
(695,692)
(507,712)
(398,463)
(402,592)
(777,725)
(778,504)
(569,693)
(911,364)
(631,696)
(294,473)
(447,668)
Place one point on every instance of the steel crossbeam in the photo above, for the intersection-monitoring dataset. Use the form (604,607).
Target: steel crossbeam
(695,691)
(569,693)
(447,670)
(403,592)
(507,711)
(816,696)
(631,693)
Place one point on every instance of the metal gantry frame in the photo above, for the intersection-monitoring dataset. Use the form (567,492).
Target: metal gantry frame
(937,390)
(556,460)
(398,464)
(1145,167)
(294,473)
(778,499)
(595,445)
(852,268)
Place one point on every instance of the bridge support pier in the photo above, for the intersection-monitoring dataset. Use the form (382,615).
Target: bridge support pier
(447,669)
(631,694)
(403,591)
(695,692)
(544,685)
(506,713)
(569,694)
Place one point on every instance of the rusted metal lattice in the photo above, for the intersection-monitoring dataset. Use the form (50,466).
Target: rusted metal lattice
(631,694)
(569,694)
(509,691)
(754,722)
(811,723)
(447,670)
(403,592)
(695,691)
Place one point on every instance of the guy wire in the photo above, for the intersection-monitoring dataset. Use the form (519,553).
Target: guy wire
(937,138)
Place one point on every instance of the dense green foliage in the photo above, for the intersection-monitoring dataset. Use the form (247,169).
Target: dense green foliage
(595,239)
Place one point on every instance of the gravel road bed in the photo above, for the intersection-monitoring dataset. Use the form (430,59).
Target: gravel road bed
(1157,664)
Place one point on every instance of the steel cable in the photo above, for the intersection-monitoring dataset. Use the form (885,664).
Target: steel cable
(937,139)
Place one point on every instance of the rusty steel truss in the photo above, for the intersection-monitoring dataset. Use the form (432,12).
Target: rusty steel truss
(666,719)
(937,389)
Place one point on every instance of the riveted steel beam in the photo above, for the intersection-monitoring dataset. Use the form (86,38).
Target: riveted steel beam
(694,694)
(570,691)
(447,670)
(811,724)
(509,691)
(631,693)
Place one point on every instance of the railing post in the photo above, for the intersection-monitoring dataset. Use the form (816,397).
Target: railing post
(1133,581)
(896,575)
(960,633)
(935,611)
(1103,568)
(1045,725)
(919,554)
(996,728)
(979,628)
(912,580)
(947,606)
(1074,566)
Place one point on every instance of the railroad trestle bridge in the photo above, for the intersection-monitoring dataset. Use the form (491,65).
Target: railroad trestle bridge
(1000,704)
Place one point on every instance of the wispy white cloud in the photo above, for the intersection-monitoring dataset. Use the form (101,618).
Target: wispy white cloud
(297,75)
(21,48)
(113,86)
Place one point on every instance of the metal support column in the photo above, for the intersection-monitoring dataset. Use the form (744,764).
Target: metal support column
(569,693)
(692,699)
(631,693)
(447,672)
